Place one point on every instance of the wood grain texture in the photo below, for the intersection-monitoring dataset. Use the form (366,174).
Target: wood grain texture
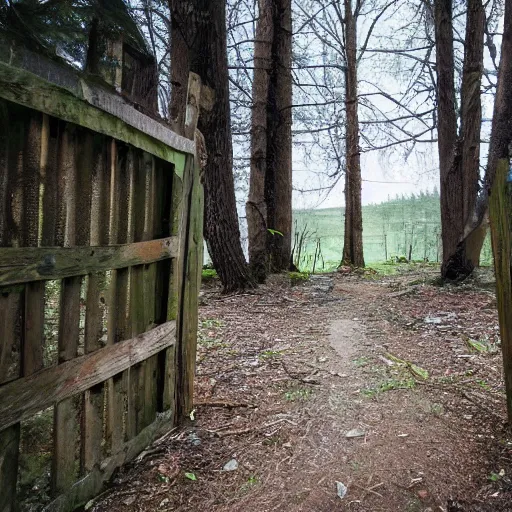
(69,221)
(21,398)
(91,106)
(23,265)
(500,210)
(93,403)
(89,486)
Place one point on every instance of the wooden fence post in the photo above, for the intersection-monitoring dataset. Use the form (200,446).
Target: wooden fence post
(191,241)
(500,209)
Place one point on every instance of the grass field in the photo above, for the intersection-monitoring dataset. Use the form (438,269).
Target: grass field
(390,230)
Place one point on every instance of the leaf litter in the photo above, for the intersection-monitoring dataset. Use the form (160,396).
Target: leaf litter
(277,386)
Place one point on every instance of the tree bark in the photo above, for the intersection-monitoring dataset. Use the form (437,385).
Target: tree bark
(278,186)
(269,206)
(202,26)
(459,156)
(181,27)
(353,237)
(256,207)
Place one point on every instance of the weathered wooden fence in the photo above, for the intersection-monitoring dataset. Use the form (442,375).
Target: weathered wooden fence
(500,212)
(108,201)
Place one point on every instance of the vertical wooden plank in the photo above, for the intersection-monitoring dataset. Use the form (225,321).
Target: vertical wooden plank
(11,151)
(21,313)
(152,219)
(500,209)
(92,413)
(118,328)
(35,161)
(136,394)
(191,243)
(166,291)
(65,427)
(10,437)
(185,348)
(169,363)
(175,215)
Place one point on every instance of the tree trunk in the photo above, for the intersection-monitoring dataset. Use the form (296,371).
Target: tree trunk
(459,157)
(202,25)
(278,183)
(500,157)
(181,27)
(256,207)
(353,238)
(269,206)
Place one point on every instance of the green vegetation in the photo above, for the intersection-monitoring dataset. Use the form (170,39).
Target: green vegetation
(298,277)
(267,354)
(390,231)
(209,273)
(389,385)
(212,322)
(299,394)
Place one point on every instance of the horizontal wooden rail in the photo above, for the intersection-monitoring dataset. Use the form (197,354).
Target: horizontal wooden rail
(22,265)
(59,90)
(22,398)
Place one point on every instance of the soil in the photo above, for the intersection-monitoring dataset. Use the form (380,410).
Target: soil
(350,392)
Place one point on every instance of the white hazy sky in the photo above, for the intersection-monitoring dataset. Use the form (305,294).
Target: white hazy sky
(381,180)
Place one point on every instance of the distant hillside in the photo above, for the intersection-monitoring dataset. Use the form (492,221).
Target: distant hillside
(389,229)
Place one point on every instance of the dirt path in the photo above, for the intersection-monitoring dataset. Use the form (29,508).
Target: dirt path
(303,387)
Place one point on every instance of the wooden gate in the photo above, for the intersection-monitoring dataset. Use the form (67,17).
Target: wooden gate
(100,258)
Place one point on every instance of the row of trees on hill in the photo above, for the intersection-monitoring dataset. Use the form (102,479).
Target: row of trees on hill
(320,82)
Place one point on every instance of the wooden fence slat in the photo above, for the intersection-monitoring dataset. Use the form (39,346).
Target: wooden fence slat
(10,437)
(118,328)
(184,362)
(23,265)
(500,210)
(149,283)
(137,299)
(17,227)
(9,448)
(35,162)
(26,396)
(169,364)
(65,426)
(91,171)
(94,399)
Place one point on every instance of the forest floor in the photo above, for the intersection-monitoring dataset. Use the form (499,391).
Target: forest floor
(353,392)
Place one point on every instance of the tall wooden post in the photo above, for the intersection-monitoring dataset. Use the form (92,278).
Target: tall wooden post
(500,210)
(191,243)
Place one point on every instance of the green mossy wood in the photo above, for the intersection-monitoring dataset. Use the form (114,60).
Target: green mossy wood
(500,210)
(107,200)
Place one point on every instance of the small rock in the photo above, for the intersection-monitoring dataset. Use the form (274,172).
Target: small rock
(433,320)
(423,494)
(355,432)
(232,465)
(193,439)
(129,501)
(341,489)
(164,502)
